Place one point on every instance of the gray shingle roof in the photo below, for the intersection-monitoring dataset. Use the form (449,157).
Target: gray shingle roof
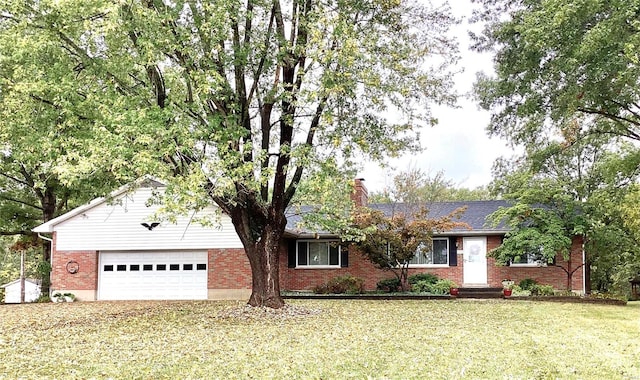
(475,215)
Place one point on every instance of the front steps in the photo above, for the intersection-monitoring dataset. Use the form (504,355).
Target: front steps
(480,293)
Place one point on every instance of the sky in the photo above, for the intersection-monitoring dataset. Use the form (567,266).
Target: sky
(458,145)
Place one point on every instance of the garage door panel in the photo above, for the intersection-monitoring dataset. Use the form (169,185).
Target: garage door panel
(152,275)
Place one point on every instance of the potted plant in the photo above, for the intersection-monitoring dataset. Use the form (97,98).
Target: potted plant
(453,288)
(63,297)
(507,287)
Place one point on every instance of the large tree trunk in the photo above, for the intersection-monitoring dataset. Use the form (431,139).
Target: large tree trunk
(264,259)
(261,231)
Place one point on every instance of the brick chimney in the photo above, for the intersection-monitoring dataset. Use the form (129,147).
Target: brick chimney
(360,195)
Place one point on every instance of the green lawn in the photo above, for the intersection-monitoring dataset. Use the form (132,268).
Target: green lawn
(321,339)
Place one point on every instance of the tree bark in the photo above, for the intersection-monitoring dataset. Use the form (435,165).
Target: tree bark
(261,230)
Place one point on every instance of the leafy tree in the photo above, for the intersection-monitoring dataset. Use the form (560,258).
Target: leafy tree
(392,241)
(560,191)
(561,65)
(557,77)
(233,102)
(417,187)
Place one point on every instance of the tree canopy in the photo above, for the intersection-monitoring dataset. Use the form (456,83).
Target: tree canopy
(233,102)
(561,65)
(414,186)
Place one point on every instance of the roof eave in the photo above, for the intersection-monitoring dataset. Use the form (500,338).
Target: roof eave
(48,227)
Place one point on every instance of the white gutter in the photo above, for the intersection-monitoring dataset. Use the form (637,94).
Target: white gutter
(584,270)
(50,258)
(45,238)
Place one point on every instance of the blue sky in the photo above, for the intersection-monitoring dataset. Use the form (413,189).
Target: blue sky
(458,145)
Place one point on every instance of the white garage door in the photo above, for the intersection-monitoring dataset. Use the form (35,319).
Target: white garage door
(152,276)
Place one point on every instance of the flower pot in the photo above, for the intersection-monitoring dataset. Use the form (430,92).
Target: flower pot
(507,292)
(454,292)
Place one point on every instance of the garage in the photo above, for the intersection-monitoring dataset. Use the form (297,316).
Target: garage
(177,275)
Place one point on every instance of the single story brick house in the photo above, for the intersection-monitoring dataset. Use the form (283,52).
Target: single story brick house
(110,249)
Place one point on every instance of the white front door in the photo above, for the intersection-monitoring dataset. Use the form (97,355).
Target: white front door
(475,260)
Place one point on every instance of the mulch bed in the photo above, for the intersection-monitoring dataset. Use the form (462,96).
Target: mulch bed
(566,299)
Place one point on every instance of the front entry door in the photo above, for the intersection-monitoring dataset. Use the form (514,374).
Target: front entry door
(475,260)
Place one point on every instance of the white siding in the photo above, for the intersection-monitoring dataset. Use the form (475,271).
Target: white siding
(117,226)
(12,292)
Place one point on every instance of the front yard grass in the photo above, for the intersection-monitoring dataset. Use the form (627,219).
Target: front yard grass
(321,339)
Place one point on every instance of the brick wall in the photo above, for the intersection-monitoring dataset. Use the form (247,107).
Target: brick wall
(306,279)
(359,266)
(85,279)
(550,275)
(229,269)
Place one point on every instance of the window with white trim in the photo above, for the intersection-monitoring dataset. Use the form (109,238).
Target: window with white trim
(315,253)
(532,258)
(436,253)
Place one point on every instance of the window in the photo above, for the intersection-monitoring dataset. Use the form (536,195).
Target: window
(174,266)
(108,268)
(187,266)
(532,258)
(318,254)
(134,267)
(161,266)
(435,254)
(121,268)
(147,267)
(201,266)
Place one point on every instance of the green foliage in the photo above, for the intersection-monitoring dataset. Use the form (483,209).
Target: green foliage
(441,286)
(552,72)
(554,82)
(541,290)
(44,298)
(234,104)
(413,186)
(518,291)
(389,285)
(346,284)
(527,283)
(424,277)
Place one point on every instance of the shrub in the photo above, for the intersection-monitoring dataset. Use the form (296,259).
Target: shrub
(341,285)
(518,291)
(44,298)
(541,290)
(427,277)
(422,287)
(320,289)
(389,285)
(439,287)
(527,283)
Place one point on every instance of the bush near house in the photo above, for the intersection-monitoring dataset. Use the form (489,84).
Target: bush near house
(341,285)
(424,277)
(441,286)
(389,285)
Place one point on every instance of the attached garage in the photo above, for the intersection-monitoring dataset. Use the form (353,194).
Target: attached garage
(149,275)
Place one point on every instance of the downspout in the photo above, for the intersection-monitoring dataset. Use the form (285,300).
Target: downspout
(584,270)
(50,257)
